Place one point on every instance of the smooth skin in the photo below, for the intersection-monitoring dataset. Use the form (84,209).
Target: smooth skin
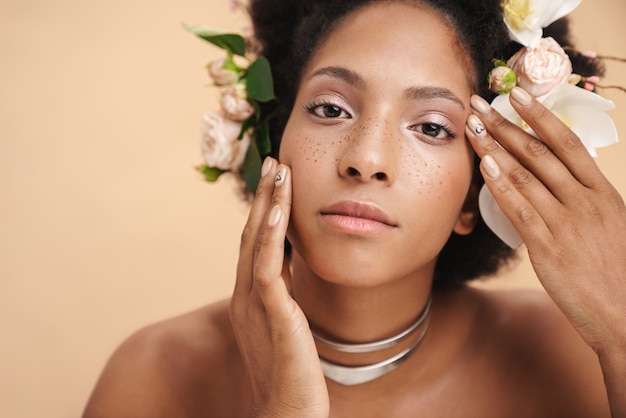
(365,140)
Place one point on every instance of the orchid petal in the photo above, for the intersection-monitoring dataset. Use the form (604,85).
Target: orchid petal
(503,105)
(584,112)
(557,10)
(541,13)
(496,220)
(525,35)
(524,19)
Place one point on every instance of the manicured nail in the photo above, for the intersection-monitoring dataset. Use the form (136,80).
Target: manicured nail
(279,178)
(267,164)
(479,104)
(275,215)
(521,96)
(491,168)
(475,124)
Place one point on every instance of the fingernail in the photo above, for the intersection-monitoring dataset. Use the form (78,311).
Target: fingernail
(279,178)
(479,104)
(475,124)
(521,96)
(491,168)
(275,216)
(267,164)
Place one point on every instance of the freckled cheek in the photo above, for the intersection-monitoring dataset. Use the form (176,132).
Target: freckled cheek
(421,171)
(436,175)
(308,154)
(454,182)
(308,157)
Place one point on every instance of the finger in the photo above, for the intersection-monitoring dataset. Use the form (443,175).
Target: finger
(253,226)
(563,142)
(517,176)
(532,153)
(281,197)
(526,220)
(287,274)
(270,250)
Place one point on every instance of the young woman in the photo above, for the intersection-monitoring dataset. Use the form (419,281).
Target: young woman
(375,188)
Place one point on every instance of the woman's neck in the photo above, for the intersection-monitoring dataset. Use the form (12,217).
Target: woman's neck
(359,314)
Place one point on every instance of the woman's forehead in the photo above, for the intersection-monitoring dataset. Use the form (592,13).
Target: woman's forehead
(394,39)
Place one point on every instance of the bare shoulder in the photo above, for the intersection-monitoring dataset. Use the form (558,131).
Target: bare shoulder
(534,343)
(184,366)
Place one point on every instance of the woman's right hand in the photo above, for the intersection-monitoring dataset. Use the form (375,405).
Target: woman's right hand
(272,332)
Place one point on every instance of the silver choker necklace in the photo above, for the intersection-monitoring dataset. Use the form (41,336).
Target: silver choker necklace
(353,375)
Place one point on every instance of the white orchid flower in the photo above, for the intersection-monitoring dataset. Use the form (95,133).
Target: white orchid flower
(583,111)
(527,18)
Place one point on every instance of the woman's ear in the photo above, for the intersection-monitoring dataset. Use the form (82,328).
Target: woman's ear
(468,217)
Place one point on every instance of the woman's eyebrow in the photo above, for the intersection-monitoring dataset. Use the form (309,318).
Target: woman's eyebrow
(429,92)
(412,93)
(341,73)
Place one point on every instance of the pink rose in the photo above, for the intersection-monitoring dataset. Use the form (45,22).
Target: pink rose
(541,66)
(220,75)
(219,144)
(235,104)
(502,79)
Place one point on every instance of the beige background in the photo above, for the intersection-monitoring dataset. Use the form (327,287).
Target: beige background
(104,226)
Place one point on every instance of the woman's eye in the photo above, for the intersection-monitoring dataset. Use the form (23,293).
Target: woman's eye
(327,111)
(433,130)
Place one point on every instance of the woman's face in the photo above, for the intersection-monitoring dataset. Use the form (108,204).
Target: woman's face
(376,144)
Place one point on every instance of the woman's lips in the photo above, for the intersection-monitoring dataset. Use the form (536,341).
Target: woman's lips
(357,217)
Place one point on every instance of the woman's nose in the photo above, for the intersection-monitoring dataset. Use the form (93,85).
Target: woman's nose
(369,155)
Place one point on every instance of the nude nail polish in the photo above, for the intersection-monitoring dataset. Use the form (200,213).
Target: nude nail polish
(279,177)
(521,96)
(479,104)
(475,125)
(490,166)
(267,164)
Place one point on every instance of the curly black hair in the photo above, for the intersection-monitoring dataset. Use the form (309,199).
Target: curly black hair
(287,32)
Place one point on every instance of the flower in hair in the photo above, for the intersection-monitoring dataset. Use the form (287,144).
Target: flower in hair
(527,18)
(541,66)
(235,103)
(219,143)
(234,138)
(222,72)
(501,79)
(544,70)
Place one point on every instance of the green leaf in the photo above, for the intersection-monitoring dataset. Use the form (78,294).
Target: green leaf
(259,83)
(257,111)
(244,127)
(262,138)
(252,167)
(210,174)
(231,42)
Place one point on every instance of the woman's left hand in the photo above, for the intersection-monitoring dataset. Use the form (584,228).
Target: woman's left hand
(571,218)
